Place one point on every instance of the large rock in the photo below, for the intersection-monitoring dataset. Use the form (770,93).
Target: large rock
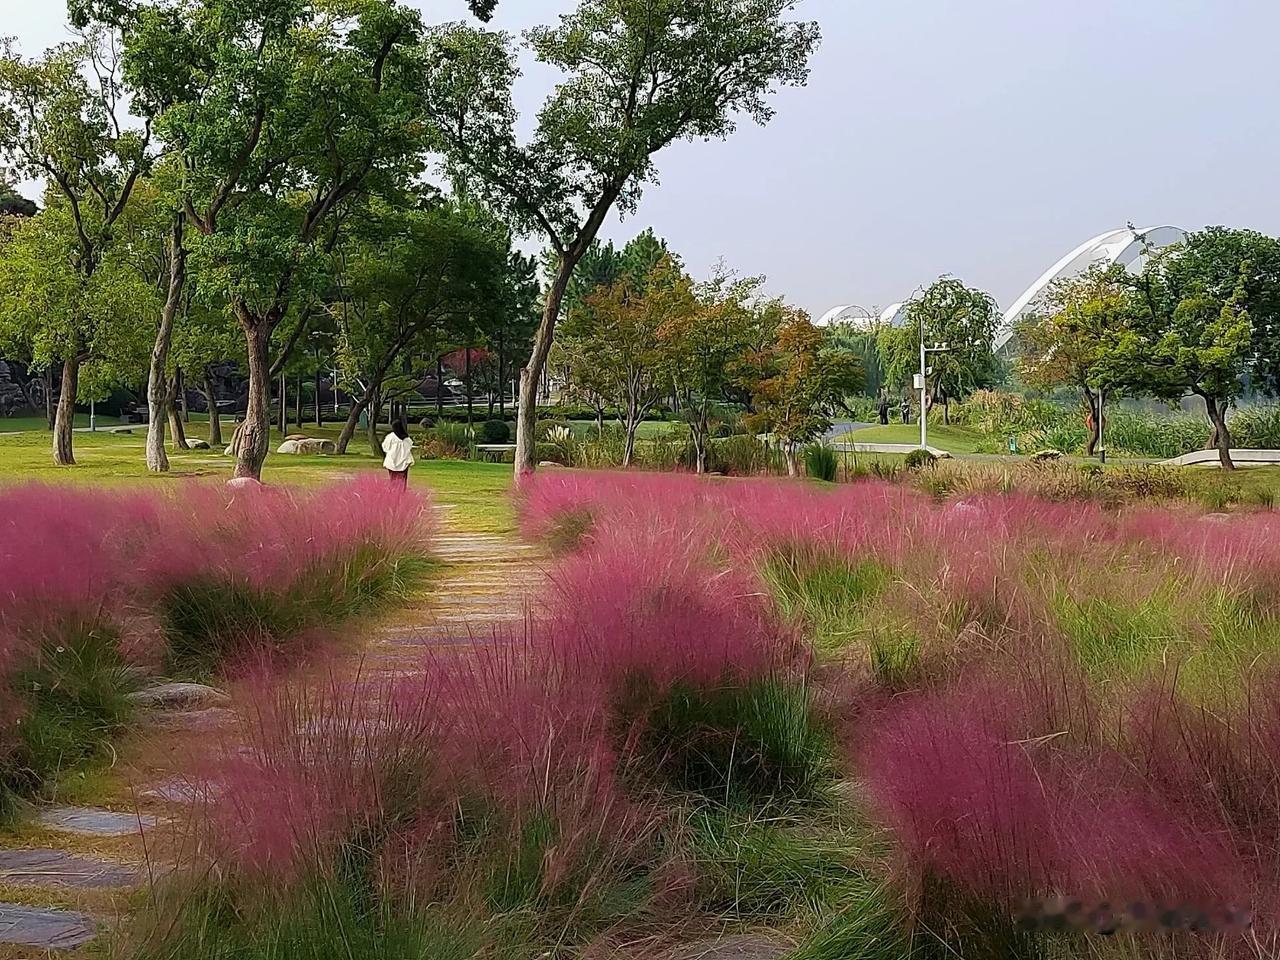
(197,444)
(308,445)
(244,483)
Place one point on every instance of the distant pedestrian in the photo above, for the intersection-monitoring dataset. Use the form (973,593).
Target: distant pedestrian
(906,410)
(398,447)
(883,410)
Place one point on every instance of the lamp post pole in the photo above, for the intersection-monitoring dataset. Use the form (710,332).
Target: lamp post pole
(922,381)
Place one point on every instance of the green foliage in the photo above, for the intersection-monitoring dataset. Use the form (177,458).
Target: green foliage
(753,743)
(950,313)
(756,866)
(827,592)
(871,923)
(212,624)
(742,455)
(73,701)
(320,918)
(495,431)
(821,462)
(919,459)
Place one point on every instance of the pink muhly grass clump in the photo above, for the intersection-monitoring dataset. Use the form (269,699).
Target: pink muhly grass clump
(312,767)
(981,795)
(638,606)
(962,797)
(268,537)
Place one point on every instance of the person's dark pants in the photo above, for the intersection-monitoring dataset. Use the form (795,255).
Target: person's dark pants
(399,478)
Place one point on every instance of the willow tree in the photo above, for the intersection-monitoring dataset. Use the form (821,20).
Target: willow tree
(640,75)
(63,121)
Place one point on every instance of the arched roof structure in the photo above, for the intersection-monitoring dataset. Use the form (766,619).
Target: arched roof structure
(1127,246)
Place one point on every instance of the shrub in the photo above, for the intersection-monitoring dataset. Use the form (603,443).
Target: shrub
(495,432)
(821,462)
(919,459)
(1257,427)
(741,455)
(450,441)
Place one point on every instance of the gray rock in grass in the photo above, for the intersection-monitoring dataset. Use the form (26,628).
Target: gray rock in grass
(179,696)
(45,929)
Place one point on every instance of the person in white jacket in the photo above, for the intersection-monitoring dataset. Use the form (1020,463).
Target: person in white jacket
(398,447)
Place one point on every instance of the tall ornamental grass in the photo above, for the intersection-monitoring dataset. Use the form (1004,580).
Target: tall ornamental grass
(552,788)
(1058,714)
(100,589)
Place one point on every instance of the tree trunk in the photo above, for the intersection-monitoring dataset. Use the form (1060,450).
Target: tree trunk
(353,422)
(215,421)
(48,398)
(64,416)
(182,397)
(439,387)
(629,442)
(253,436)
(1094,424)
(297,403)
(1218,417)
(375,407)
(502,383)
(157,388)
(789,452)
(174,388)
(282,419)
(532,373)
(470,391)
(319,420)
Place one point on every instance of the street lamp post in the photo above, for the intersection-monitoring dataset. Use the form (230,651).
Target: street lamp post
(922,384)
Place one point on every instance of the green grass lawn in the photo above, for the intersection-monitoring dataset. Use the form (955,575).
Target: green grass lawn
(648,429)
(477,491)
(952,439)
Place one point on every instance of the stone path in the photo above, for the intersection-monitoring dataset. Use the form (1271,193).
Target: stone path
(487,581)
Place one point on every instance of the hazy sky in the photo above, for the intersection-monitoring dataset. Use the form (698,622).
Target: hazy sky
(981,138)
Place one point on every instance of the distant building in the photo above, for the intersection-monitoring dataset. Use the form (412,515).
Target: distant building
(1127,246)
(861,317)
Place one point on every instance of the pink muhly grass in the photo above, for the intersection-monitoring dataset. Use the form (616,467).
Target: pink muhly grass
(962,797)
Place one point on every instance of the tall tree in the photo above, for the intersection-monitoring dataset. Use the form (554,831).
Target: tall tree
(641,75)
(284,113)
(805,382)
(1191,327)
(407,279)
(63,120)
(704,349)
(946,312)
(616,340)
(1063,342)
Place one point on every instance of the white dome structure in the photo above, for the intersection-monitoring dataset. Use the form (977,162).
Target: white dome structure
(1127,246)
(861,318)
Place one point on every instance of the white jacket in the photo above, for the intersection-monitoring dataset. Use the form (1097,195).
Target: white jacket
(399,453)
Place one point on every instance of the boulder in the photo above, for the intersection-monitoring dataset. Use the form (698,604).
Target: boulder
(308,445)
(197,444)
(1046,456)
(317,446)
(296,436)
(243,483)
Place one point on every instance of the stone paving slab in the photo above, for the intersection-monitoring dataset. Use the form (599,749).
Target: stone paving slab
(92,822)
(45,929)
(55,868)
(179,696)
